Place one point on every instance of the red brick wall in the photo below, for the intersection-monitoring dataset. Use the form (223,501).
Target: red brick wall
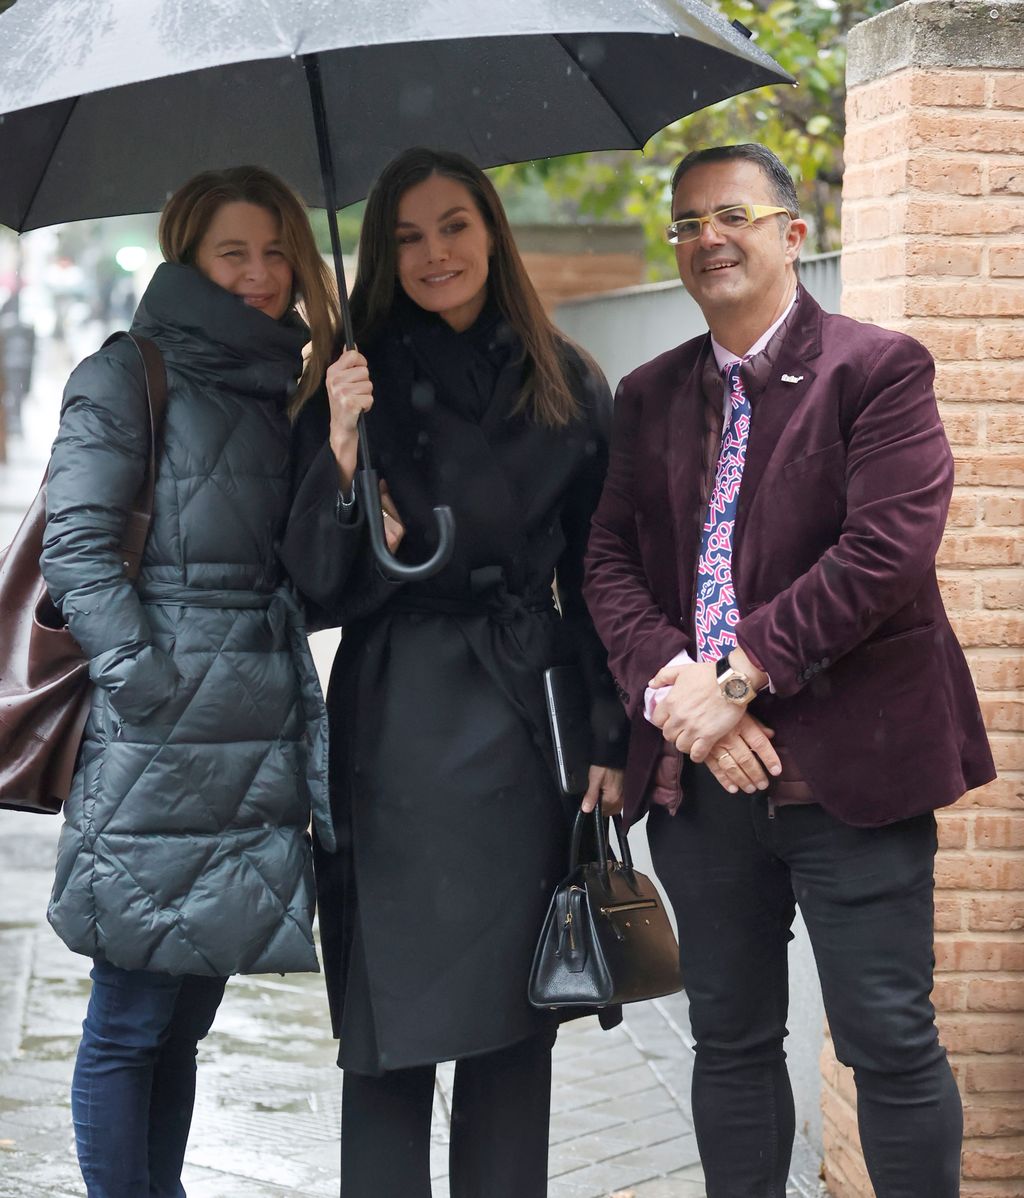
(933,234)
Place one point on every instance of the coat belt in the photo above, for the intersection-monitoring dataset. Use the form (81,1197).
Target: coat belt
(173,593)
(489,596)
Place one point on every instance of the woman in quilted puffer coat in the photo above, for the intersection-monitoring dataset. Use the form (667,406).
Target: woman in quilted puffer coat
(185,855)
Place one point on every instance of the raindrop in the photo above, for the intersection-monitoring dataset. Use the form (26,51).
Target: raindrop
(591,53)
(416,100)
(422,399)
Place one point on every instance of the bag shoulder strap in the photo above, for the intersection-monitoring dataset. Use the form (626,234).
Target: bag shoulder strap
(156,400)
(137,528)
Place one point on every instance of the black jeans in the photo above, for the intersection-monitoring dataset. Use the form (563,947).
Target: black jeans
(734,872)
(501,1105)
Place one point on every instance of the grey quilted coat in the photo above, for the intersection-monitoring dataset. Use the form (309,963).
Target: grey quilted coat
(185,846)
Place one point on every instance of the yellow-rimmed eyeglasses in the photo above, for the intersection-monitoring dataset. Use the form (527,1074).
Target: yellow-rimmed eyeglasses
(725,220)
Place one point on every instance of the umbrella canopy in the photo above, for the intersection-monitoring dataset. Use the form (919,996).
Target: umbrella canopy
(108,105)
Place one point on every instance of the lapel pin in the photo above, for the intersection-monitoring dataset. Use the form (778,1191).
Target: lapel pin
(792,378)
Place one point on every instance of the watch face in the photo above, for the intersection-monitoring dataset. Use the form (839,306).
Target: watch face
(736,688)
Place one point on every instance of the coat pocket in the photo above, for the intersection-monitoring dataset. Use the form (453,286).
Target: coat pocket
(827,462)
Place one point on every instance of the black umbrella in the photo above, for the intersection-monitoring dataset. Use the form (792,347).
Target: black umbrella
(106,105)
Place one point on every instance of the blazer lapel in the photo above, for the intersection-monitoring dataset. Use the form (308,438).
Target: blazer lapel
(684,434)
(773,407)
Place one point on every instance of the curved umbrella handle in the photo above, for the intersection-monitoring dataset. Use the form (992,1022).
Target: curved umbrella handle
(368,489)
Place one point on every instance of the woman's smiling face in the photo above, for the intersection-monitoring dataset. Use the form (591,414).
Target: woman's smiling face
(444,249)
(241,251)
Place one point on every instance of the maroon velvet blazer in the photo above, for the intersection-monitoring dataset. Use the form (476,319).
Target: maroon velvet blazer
(844,497)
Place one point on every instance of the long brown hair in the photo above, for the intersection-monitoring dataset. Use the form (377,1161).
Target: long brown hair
(187,216)
(546,394)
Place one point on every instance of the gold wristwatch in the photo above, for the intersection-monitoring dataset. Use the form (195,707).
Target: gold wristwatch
(733,686)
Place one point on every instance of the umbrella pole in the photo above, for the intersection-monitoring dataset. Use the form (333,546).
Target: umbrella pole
(323,145)
(367,483)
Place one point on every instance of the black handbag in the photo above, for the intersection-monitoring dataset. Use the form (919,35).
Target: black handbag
(44,675)
(606,937)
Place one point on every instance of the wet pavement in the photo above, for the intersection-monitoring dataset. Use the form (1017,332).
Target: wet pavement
(268,1109)
(267,1120)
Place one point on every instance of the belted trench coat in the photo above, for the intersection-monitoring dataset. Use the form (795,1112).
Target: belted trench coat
(453,834)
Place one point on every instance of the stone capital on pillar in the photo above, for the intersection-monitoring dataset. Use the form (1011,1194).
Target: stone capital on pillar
(934,34)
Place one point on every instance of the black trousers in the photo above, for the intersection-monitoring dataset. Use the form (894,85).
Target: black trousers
(734,872)
(501,1106)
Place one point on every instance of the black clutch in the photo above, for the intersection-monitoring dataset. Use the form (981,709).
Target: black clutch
(606,937)
(568,707)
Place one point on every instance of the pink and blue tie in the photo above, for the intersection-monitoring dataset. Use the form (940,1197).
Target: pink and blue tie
(716,614)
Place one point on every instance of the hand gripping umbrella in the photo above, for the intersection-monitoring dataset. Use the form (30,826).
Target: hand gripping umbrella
(107,105)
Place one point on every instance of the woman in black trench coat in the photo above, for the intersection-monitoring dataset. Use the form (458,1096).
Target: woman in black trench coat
(452,830)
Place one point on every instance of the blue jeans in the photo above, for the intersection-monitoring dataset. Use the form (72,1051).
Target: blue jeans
(135,1078)
(734,874)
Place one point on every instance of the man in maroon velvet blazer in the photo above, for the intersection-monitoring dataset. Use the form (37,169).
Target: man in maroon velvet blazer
(802,764)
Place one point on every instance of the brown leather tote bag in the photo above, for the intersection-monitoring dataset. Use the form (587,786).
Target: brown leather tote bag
(44,675)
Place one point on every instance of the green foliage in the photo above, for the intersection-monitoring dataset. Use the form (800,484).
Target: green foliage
(804,125)
(349,221)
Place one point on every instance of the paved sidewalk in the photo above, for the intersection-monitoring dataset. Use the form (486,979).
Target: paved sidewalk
(267,1122)
(268,1111)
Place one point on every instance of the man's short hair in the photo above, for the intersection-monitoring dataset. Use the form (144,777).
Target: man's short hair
(780,180)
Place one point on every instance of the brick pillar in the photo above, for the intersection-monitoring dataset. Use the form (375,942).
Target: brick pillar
(933,236)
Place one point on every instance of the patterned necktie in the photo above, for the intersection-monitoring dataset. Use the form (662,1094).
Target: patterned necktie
(716,615)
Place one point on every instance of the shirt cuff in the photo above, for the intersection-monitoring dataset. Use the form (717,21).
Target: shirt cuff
(769,686)
(652,696)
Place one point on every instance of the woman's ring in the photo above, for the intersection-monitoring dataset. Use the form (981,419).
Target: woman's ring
(723,756)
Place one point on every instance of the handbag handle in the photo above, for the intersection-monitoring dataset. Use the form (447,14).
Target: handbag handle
(602,839)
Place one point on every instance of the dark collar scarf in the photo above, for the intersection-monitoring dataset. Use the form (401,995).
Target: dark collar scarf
(207,333)
(468,371)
